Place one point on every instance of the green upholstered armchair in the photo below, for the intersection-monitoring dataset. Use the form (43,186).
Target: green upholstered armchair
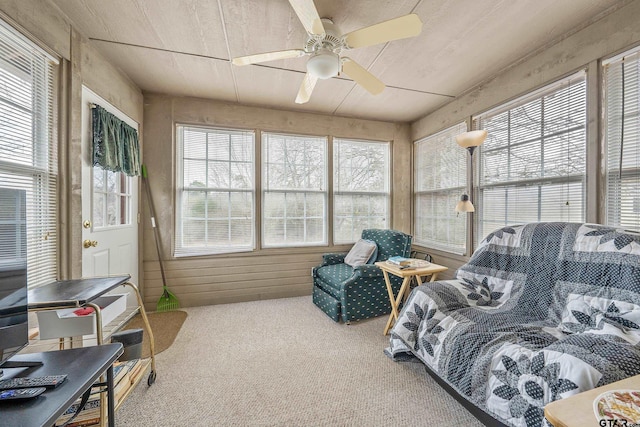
(358,293)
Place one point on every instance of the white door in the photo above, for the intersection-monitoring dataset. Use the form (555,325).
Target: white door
(109,207)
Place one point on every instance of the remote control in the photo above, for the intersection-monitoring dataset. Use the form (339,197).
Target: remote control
(49,381)
(21,393)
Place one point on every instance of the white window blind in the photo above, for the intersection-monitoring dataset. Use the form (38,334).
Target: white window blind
(28,153)
(533,162)
(294,190)
(440,178)
(215,191)
(622,139)
(360,188)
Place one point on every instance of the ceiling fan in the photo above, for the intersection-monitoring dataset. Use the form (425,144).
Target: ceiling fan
(325,44)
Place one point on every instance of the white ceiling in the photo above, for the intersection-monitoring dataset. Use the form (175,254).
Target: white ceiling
(183,47)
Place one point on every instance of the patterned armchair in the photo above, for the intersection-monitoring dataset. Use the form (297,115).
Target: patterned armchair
(358,293)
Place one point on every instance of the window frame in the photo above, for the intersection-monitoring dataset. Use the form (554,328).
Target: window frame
(614,145)
(179,250)
(386,192)
(579,77)
(35,167)
(450,191)
(264,190)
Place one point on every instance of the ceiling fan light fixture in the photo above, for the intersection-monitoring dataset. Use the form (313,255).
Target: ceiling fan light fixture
(324,64)
(325,42)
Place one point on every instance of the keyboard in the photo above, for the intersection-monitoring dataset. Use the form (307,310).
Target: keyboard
(49,381)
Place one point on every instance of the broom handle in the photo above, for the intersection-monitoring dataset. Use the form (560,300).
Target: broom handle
(152,211)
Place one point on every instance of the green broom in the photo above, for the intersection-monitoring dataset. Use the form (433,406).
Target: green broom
(168,301)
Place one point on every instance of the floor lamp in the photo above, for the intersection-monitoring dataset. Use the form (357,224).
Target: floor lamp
(469,140)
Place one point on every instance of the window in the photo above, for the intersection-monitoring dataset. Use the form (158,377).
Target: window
(28,150)
(533,162)
(215,191)
(111,198)
(440,178)
(13,228)
(622,139)
(294,190)
(360,188)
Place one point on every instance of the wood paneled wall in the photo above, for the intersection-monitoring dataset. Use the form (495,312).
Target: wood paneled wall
(207,280)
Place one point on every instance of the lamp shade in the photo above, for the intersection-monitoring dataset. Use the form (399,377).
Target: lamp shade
(464,205)
(471,139)
(324,64)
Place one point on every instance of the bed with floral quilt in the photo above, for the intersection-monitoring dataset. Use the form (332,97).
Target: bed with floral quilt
(541,311)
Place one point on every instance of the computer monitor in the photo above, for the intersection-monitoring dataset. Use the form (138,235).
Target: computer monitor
(14,326)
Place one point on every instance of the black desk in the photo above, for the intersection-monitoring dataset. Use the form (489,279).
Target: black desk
(83,367)
(72,293)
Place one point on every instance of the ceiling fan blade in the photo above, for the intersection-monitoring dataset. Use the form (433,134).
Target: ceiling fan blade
(306,88)
(268,56)
(394,29)
(361,76)
(308,15)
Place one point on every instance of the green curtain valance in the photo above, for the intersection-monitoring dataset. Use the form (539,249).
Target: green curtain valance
(115,143)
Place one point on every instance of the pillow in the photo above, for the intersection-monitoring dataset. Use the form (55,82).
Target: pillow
(360,253)
(374,256)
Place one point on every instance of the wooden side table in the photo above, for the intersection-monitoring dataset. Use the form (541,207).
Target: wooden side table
(577,410)
(416,269)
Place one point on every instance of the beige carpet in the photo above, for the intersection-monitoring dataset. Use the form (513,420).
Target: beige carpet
(285,363)
(164,326)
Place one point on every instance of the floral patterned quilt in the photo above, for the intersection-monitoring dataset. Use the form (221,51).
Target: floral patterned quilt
(540,312)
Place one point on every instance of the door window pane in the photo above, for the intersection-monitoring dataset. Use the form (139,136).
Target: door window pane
(111,203)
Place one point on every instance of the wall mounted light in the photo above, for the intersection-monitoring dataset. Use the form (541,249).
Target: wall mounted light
(469,140)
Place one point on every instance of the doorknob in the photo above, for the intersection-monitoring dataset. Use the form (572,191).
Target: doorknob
(89,244)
